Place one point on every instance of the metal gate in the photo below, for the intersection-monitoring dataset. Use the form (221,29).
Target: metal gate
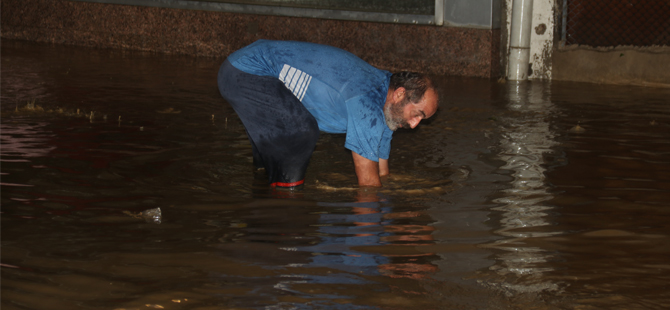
(605,23)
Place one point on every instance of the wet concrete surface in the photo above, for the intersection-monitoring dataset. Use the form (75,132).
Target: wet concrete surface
(498,202)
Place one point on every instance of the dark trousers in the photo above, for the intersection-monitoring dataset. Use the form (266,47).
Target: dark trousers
(282,132)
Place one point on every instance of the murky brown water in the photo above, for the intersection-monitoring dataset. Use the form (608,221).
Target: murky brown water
(496,203)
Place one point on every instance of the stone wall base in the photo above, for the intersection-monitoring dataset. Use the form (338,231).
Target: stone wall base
(429,49)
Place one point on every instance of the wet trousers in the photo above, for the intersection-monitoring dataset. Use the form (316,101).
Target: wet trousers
(282,132)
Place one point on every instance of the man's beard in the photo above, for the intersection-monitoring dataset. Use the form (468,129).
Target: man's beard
(393,113)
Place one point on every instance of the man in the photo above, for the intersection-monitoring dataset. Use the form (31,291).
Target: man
(286,92)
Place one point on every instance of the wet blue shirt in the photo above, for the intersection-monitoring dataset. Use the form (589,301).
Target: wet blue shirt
(344,93)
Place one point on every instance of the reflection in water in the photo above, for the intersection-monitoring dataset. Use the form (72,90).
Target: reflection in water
(19,144)
(340,231)
(371,224)
(526,137)
(327,251)
(24,141)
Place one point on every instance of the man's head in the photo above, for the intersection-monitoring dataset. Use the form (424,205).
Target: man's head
(410,99)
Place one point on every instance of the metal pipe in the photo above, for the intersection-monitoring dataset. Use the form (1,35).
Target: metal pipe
(519,49)
(439,12)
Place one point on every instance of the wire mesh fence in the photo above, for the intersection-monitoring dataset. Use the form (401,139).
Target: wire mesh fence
(604,23)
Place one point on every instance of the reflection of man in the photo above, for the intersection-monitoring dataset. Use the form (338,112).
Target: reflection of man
(286,92)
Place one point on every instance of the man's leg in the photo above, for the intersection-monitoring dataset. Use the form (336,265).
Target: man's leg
(282,131)
(257,159)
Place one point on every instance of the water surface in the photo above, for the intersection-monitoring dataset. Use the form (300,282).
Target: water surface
(498,202)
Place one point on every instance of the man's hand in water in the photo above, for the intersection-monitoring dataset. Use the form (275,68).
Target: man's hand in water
(369,173)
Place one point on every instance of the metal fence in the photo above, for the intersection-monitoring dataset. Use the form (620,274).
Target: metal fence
(605,23)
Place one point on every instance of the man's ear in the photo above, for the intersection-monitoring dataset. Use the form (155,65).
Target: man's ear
(399,94)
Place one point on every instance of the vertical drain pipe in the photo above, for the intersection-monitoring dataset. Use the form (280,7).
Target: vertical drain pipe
(439,12)
(519,48)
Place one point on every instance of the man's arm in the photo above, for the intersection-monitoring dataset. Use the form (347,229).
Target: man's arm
(367,171)
(383,167)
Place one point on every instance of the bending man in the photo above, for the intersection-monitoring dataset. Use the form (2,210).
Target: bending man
(286,92)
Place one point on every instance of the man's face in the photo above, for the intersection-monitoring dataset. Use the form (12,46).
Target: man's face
(401,113)
(394,115)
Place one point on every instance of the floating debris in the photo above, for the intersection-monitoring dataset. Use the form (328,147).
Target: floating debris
(577,129)
(169,111)
(653,123)
(32,108)
(395,183)
(152,216)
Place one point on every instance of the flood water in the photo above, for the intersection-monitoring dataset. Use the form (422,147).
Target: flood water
(514,196)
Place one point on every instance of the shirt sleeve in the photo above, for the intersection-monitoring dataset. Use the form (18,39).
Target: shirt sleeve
(385,144)
(366,127)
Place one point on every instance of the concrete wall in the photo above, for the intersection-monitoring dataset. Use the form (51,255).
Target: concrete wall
(425,48)
(625,65)
(621,65)
(550,60)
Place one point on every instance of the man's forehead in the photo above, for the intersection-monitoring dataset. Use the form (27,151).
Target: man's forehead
(430,102)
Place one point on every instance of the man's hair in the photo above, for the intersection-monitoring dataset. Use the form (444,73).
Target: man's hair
(415,84)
